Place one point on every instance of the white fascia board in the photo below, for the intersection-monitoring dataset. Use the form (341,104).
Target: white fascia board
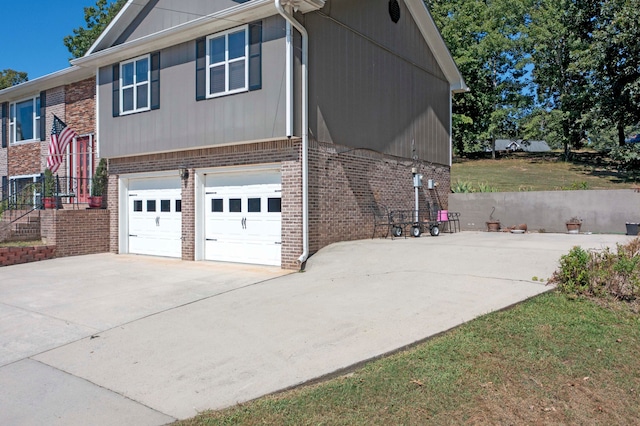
(206,25)
(59,78)
(118,24)
(436,43)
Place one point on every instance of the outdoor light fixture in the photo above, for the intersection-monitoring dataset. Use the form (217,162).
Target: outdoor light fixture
(184,173)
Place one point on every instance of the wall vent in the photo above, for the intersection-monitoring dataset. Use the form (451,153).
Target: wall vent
(394,10)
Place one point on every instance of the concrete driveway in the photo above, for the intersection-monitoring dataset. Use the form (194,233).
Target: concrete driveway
(108,339)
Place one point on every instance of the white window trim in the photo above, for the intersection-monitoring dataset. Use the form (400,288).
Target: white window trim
(13,124)
(135,85)
(226,62)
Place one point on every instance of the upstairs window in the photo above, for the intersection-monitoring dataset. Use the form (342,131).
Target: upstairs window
(136,85)
(135,95)
(227,69)
(24,120)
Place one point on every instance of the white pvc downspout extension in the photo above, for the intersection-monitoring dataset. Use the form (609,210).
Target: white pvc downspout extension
(305,124)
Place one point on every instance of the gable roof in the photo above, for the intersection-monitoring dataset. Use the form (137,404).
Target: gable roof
(104,52)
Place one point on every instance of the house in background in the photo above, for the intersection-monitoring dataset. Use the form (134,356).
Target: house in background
(27,112)
(524,145)
(27,119)
(260,131)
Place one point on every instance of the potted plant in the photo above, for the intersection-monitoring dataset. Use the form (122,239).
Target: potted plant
(573,225)
(98,185)
(48,188)
(493,225)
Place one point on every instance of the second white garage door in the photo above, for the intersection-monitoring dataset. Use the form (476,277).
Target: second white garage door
(243,217)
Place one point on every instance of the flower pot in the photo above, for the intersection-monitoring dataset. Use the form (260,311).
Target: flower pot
(573,228)
(632,229)
(95,202)
(49,202)
(493,226)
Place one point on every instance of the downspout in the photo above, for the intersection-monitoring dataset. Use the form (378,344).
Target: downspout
(305,126)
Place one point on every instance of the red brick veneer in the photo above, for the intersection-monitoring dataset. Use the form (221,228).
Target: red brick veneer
(17,255)
(76,232)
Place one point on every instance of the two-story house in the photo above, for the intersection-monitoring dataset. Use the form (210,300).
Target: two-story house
(259,131)
(26,118)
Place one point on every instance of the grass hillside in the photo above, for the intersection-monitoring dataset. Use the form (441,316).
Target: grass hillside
(540,172)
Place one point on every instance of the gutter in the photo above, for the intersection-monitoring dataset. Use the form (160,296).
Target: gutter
(305,123)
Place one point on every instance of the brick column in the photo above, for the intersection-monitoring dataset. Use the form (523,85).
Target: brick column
(188,217)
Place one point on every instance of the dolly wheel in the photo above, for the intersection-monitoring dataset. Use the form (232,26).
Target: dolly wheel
(397,231)
(415,231)
(435,231)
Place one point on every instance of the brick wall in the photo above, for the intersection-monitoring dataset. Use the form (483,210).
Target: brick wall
(17,255)
(345,184)
(25,159)
(55,106)
(112,208)
(76,232)
(81,106)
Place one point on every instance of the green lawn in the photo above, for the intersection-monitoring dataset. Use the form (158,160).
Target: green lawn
(550,360)
(544,172)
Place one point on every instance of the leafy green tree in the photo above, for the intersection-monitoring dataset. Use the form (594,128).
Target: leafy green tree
(614,58)
(9,77)
(487,40)
(557,33)
(97,18)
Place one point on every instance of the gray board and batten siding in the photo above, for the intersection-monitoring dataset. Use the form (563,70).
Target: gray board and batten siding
(376,84)
(158,15)
(181,122)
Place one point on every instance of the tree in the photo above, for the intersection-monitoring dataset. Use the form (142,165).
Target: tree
(97,18)
(614,58)
(487,40)
(557,33)
(9,77)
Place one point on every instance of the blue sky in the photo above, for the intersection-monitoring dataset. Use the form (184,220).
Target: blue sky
(33,31)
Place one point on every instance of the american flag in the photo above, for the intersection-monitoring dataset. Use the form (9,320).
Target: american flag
(61,135)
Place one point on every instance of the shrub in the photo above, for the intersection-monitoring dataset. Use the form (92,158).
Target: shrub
(462,187)
(605,273)
(573,275)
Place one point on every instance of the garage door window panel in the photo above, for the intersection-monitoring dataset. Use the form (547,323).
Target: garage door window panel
(165,206)
(151,205)
(137,205)
(254,205)
(178,206)
(235,205)
(217,205)
(275,205)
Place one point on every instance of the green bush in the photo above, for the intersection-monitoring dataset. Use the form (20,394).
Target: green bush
(573,275)
(605,273)
(461,187)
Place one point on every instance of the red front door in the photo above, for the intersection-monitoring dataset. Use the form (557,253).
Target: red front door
(82,167)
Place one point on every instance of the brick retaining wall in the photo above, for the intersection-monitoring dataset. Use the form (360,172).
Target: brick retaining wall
(17,255)
(76,232)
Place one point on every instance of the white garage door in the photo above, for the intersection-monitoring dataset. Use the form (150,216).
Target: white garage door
(243,217)
(155,217)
